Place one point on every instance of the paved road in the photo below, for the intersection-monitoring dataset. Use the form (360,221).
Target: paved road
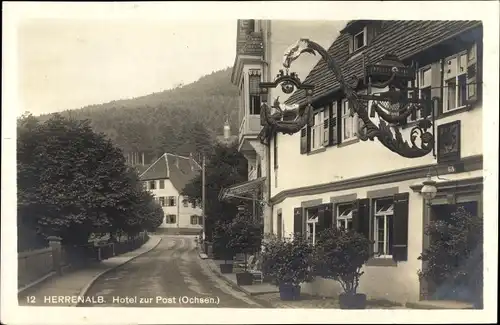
(171,275)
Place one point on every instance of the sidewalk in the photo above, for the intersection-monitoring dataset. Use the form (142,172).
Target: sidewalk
(76,283)
(268,295)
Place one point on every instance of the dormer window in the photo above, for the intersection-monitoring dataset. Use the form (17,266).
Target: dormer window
(359,40)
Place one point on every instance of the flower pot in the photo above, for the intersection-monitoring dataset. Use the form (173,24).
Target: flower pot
(226,268)
(352,301)
(289,291)
(244,279)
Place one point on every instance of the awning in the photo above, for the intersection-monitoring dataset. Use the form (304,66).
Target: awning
(242,189)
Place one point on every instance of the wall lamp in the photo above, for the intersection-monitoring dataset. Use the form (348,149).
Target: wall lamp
(429,189)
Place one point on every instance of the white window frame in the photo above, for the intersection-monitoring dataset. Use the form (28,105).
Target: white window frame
(152,183)
(195,219)
(348,120)
(170,201)
(363,31)
(161,184)
(167,219)
(384,214)
(313,221)
(344,218)
(446,78)
(421,86)
(317,130)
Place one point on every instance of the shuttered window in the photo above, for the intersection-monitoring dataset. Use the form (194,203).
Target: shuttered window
(298,222)
(334,125)
(305,144)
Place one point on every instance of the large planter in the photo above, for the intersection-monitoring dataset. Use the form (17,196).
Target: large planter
(352,301)
(226,268)
(244,279)
(289,292)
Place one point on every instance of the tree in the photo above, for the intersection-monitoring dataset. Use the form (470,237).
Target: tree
(340,254)
(225,167)
(73,182)
(245,234)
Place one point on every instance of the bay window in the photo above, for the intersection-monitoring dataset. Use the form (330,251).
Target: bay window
(254,90)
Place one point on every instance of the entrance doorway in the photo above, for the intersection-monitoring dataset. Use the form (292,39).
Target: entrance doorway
(469,288)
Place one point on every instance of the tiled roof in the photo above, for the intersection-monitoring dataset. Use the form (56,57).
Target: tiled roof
(157,170)
(179,169)
(404,38)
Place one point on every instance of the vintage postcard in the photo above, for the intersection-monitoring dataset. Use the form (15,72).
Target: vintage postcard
(285,162)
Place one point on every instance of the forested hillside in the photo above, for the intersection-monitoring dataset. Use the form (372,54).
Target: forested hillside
(181,120)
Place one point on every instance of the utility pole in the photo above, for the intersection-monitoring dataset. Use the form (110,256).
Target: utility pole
(203,195)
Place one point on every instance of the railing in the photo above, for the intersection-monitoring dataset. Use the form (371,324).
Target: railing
(36,264)
(33,265)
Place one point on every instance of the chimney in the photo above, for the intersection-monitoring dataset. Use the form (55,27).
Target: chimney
(227,129)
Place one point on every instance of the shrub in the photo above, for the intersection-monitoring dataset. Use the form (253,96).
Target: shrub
(221,239)
(287,261)
(245,233)
(455,253)
(339,255)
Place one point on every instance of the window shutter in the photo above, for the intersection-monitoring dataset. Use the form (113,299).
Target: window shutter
(332,116)
(298,221)
(437,75)
(326,215)
(472,74)
(351,43)
(361,217)
(339,122)
(308,138)
(400,227)
(303,141)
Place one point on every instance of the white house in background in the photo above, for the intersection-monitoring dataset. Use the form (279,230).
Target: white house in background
(325,176)
(166,178)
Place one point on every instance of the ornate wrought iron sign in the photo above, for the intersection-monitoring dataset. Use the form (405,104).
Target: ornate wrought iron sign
(284,121)
(397,100)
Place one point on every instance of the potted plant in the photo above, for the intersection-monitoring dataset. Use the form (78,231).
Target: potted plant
(246,238)
(221,238)
(454,258)
(287,262)
(340,254)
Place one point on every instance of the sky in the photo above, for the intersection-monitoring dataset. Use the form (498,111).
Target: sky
(67,64)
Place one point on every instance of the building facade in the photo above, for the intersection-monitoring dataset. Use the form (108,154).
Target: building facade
(259,50)
(165,179)
(325,176)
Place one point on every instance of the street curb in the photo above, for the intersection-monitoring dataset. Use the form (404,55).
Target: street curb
(262,303)
(87,287)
